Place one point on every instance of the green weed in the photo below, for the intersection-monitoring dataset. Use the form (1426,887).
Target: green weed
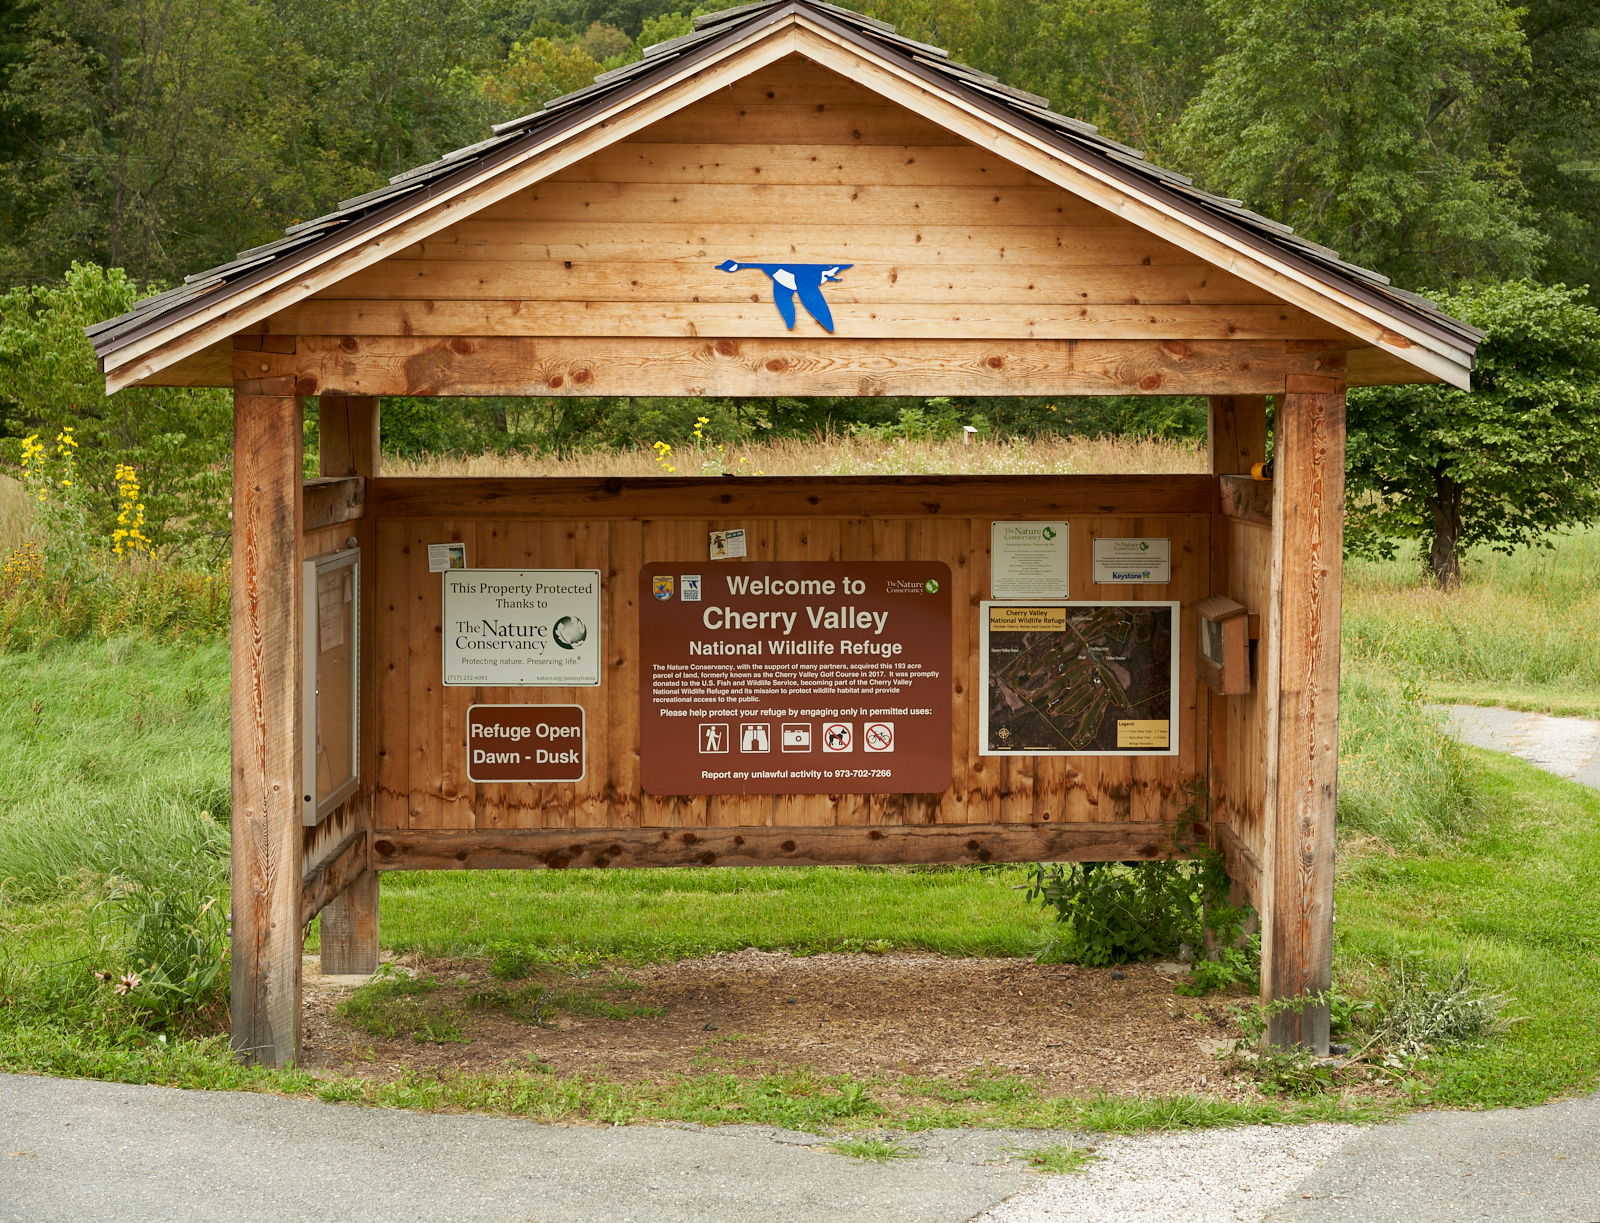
(1064,1159)
(391,1003)
(875,1150)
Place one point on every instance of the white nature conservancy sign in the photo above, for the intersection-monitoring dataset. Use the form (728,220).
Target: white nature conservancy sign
(522,628)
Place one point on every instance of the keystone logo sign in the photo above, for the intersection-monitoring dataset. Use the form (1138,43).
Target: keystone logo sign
(789,280)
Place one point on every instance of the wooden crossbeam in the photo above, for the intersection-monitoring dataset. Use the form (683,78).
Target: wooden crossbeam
(808,845)
(328,881)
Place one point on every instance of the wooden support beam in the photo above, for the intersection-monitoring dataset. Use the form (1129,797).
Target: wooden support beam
(265,649)
(1246,499)
(363,364)
(791,496)
(349,452)
(1236,433)
(809,845)
(329,879)
(330,500)
(1302,688)
(347,436)
(1243,867)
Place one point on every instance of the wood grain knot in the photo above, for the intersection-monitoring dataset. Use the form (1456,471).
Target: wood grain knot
(707,858)
(728,348)
(384,848)
(738,840)
(1149,382)
(461,854)
(556,862)
(580,376)
(614,486)
(602,861)
(459,346)
(972,846)
(995,362)
(690,839)
(615,851)
(1149,851)
(309,384)
(776,365)
(875,835)
(347,343)
(787,847)
(556,381)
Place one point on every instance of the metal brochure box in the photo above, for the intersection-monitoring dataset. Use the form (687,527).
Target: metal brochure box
(330,719)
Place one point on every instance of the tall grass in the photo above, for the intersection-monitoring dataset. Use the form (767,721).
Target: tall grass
(842,456)
(1530,620)
(1403,777)
(109,750)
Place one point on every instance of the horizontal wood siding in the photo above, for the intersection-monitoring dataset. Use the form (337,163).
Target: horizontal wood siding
(797,162)
(421,724)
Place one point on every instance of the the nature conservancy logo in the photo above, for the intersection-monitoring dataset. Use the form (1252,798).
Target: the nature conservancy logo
(896,586)
(789,280)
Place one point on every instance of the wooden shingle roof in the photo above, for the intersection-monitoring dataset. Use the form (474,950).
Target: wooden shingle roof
(171,326)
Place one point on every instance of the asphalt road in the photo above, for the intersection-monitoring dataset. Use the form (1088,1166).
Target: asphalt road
(1506,1166)
(77,1151)
(1567,747)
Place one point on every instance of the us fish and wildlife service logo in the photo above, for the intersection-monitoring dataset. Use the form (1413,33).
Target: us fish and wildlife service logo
(661,587)
(791,280)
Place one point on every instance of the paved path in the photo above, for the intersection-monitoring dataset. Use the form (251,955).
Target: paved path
(1567,747)
(82,1152)
(1506,1166)
(76,1152)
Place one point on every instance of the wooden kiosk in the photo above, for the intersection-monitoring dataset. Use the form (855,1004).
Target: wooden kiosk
(963,240)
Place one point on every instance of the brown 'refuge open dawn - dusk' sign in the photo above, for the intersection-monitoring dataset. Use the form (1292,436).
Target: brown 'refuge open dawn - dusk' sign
(525,743)
(800,677)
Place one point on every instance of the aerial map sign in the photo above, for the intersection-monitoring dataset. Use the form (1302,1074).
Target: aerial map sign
(1078,679)
(799,677)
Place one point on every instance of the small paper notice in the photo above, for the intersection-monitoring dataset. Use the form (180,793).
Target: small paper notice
(330,609)
(444,557)
(1029,560)
(1150,735)
(1133,561)
(725,545)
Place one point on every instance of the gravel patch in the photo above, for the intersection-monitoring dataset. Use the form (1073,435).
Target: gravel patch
(1212,1176)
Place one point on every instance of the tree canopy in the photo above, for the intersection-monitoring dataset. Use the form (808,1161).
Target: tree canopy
(1504,464)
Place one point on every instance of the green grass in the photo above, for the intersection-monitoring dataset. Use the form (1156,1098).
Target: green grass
(1515,896)
(669,914)
(874,1150)
(1063,1160)
(1523,630)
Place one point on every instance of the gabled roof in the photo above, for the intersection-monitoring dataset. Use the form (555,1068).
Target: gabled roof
(170,326)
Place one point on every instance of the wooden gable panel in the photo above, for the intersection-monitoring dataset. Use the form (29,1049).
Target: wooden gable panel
(944,239)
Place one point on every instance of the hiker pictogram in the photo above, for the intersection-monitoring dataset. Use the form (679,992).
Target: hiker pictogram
(789,279)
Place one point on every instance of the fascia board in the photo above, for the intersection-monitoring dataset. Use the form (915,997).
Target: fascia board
(136,357)
(906,85)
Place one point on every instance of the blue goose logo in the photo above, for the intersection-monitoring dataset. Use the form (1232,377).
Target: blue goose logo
(790,279)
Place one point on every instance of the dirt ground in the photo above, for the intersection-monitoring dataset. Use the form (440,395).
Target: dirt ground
(1070,1029)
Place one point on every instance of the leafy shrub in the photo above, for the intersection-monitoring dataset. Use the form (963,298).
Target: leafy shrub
(1115,913)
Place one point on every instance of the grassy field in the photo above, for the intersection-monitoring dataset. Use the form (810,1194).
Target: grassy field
(113,752)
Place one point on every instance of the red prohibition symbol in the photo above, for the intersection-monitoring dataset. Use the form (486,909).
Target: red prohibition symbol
(838,738)
(879,737)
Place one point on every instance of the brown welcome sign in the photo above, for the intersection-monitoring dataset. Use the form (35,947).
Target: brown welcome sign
(800,677)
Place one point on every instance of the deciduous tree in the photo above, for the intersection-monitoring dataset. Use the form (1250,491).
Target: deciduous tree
(1504,464)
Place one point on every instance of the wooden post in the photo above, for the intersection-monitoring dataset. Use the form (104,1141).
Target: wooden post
(1302,688)
(267,551)
(348,445)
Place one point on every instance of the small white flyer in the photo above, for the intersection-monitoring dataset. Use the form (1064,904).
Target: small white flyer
(444,557)
(1123,562)
(1029,560)
(689,587)
(725,545)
